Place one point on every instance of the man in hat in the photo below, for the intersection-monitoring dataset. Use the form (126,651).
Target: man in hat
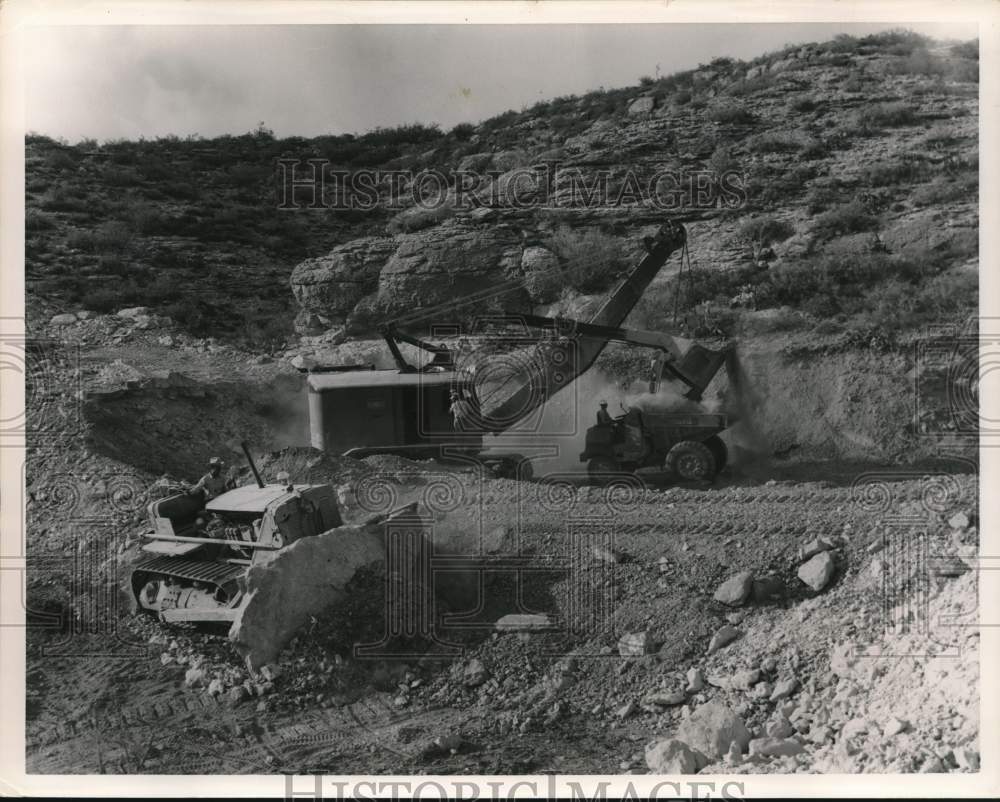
(603,417)
(212,483)
(285,480)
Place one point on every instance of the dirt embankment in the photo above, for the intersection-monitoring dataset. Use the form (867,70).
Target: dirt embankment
(855,406)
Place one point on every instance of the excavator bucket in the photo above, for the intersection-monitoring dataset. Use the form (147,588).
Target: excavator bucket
(699,366)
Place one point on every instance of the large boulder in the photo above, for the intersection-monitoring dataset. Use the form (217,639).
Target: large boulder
(672,756)
(712,728)
(735,590)
(299,582)
(330,286)
(817,572)
(634,644)
(642,105)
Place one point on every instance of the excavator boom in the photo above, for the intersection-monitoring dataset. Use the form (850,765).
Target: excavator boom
(543,371)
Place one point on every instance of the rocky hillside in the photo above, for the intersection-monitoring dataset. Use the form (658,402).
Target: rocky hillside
(855,211)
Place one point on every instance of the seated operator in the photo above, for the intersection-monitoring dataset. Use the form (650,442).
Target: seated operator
(462,413)
(603,417)
(212,483)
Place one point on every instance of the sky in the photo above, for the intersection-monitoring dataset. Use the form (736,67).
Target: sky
(123,82)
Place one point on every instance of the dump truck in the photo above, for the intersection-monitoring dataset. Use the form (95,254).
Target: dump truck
(359,411)
(196,553)
(685,444)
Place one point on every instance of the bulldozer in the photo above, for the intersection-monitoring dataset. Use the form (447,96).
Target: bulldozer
(359,411)
(196,552)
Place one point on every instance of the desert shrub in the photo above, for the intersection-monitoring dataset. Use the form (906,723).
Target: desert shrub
(154,168)
(144,218)
(848,218)
(761,232)
(168,259)
(814,149)
(113,263)
(702,285)
(896,41)
(836,60)
(969,50)
(544,286)
(728,112)
(896,304)
(758,83)
(941,137)
(120,176)
(887,174)
(722,160)
(260,331)
(854,84)
(843,43)
(966,71)
(803,103)
(62,199)
(413,133)
(919,62)
(775,142)
(61,159)
(682,98)
(591,257)
(35,220)
(463,131)
(772,186)
(181,190)
(81,241)
(943,190)
(823,197)
(249,176)
(104,299)
(887,115)
(112,238)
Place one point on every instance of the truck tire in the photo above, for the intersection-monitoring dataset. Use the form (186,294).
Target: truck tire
(690,460)
(718,448)
(601,469)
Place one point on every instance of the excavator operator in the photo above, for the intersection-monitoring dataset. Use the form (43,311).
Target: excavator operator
(603,416)
(461,412)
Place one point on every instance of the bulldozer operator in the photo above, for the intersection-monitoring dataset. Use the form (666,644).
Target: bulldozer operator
(603,416)
(212,483)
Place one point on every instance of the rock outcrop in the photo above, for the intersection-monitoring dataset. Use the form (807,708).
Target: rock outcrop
(330,286)
(436,265)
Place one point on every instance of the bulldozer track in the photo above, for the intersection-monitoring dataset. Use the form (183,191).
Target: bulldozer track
(266,743)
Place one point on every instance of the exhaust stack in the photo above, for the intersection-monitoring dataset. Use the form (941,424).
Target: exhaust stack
(253,467)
